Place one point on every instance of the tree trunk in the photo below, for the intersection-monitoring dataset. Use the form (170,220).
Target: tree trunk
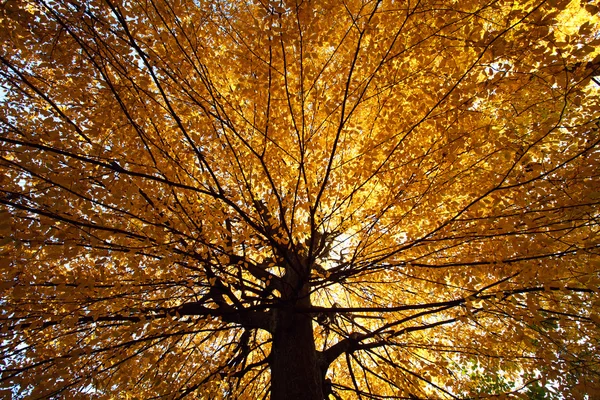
(295,373)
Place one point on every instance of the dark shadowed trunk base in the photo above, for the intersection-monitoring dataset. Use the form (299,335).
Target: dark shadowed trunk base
(295,373)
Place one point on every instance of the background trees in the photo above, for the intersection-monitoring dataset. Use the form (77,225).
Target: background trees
(299,199)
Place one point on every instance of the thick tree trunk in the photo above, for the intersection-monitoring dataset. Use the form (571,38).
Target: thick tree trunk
(295,373)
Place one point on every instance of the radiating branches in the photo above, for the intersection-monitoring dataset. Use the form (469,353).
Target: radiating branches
(299,199)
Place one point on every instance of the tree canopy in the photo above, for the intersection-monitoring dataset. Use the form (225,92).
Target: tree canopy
(299,199)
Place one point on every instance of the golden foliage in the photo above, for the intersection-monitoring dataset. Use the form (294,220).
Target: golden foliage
(421,178)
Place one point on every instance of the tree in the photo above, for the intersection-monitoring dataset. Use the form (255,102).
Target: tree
(299,199)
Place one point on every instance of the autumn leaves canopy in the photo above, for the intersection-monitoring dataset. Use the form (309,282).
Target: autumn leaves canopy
(299,199)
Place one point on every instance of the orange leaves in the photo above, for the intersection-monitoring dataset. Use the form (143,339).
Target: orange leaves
(389,159)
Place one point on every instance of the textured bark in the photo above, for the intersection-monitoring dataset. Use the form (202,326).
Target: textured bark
(295,372)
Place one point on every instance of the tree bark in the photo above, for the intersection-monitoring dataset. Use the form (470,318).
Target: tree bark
(295,372)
